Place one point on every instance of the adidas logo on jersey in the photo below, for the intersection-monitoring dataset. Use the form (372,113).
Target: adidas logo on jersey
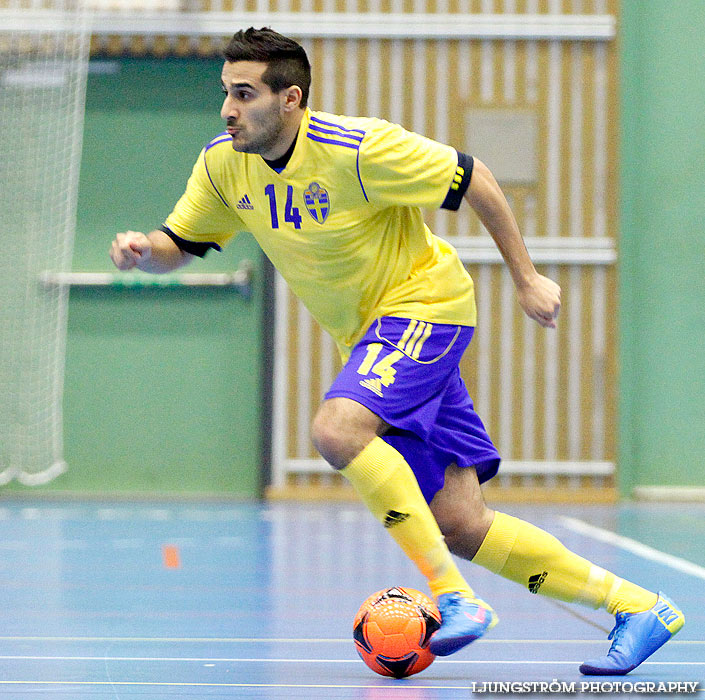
(244,203)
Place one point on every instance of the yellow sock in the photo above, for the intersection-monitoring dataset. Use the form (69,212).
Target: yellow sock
(530,556)
(387,486)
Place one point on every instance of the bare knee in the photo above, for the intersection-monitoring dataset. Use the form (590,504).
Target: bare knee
(465,533)
(342,428)
(332,442)
(461,512)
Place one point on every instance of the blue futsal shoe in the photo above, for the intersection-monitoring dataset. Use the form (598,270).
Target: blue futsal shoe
(636,636)
(463,620)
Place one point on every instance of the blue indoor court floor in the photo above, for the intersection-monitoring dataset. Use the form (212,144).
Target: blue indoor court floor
(246,600)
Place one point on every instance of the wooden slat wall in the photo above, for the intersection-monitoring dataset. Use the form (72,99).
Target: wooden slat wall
(545,396)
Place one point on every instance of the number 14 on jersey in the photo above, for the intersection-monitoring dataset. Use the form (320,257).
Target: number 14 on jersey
(292,215)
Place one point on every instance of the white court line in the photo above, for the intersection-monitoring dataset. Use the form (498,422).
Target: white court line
(298,640)
(517,662)
(642,550)
(405,688)
(183,640)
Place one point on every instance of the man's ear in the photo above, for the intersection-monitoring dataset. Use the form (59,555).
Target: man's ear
(292,98)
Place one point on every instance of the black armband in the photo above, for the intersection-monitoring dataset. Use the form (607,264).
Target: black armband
(192,247)
(461,182)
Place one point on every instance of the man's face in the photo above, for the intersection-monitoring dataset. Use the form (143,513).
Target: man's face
(252,112)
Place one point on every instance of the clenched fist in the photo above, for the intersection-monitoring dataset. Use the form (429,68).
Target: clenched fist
(541,300)
(129,249)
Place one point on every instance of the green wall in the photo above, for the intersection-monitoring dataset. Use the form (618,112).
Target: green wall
(162,392)
(662,249)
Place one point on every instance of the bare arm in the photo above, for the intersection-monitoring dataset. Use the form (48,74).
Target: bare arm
(539,296)
(155,253)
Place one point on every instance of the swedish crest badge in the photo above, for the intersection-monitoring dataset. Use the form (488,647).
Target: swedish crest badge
(317,202)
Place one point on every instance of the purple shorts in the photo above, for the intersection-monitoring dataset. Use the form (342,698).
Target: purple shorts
(406,372)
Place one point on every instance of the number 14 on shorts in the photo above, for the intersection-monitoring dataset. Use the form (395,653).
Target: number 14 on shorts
(410,343)
(383,369)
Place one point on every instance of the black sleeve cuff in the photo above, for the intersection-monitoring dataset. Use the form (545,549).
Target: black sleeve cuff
(192,247)
(461,182)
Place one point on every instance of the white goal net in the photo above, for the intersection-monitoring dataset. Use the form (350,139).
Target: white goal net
(43,66)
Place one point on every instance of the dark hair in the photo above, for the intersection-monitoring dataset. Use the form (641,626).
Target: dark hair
(287,61)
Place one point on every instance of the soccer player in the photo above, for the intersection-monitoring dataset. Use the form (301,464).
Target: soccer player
(335,203)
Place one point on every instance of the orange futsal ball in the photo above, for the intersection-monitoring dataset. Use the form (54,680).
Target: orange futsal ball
(392,630)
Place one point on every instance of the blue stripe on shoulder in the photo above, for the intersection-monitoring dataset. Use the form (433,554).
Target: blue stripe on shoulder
(220,138)
(321,139)
(320,130)
(316,120)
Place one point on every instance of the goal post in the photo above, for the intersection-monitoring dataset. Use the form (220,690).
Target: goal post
(43,68)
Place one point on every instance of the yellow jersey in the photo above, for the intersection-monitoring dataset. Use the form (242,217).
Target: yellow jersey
(342,222)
